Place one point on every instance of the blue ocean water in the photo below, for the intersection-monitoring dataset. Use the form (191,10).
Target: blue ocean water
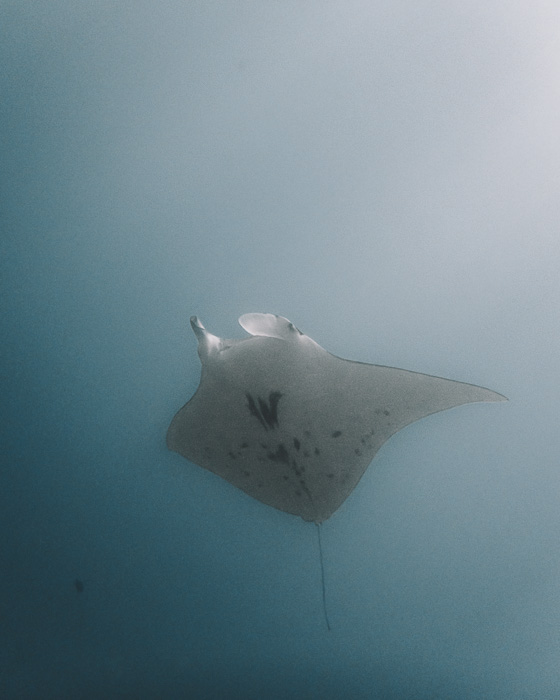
(383,175)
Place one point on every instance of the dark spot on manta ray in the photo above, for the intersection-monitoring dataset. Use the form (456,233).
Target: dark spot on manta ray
(285,477)
(386,412)
(357,451)
(297,469)
(246,472)
(297,444)
(330,475)
(231,455)
(244,445)
(306,490)
(254,411)
(336,433)
(270,412)
(281,455)
(266,413)
(317,451)
(79,585)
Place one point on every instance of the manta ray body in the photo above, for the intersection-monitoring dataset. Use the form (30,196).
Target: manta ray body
(292,425)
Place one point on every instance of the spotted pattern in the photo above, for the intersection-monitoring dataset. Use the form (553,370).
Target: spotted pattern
(288,459)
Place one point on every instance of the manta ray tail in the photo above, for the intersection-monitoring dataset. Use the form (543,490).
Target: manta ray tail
(323,576)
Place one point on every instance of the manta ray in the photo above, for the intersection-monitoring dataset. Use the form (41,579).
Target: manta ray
(291,424)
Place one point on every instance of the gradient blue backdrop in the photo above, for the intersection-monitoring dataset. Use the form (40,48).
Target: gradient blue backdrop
(386,175)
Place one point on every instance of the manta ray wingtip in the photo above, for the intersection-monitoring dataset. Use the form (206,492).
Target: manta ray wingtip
(494,396)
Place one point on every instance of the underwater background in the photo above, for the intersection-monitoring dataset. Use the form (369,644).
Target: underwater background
(384,174)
